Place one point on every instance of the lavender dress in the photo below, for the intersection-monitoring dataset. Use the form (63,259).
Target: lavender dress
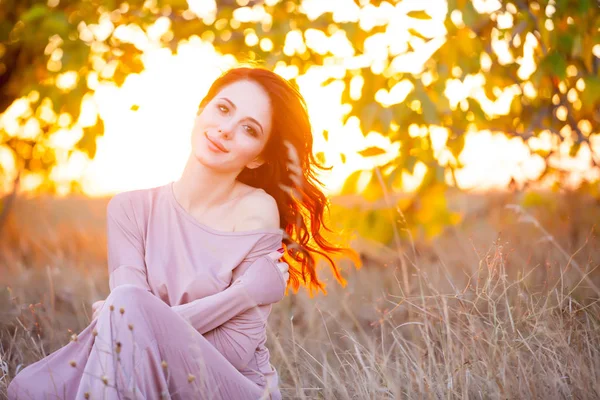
(178,328)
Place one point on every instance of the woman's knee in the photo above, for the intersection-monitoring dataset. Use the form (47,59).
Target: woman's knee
(129,296)
(21,388)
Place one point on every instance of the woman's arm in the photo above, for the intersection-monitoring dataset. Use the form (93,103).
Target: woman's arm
(234,320)
(237,338)
(126,262)
(127,265)
(261,284)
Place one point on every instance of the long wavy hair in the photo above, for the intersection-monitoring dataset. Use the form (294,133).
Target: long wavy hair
(288,174)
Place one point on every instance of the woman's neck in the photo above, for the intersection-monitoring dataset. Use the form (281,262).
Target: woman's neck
(200,188)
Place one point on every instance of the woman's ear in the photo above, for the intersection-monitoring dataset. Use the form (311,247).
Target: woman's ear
(257,162)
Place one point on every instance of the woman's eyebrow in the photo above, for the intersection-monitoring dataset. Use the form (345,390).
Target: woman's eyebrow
(249,118)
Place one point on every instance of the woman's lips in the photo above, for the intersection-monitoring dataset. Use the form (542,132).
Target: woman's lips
(216,146)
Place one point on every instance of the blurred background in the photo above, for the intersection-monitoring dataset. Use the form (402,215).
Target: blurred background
(463,140)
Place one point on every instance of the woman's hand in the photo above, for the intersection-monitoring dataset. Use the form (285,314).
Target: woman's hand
(96,308)
(264,281)
(283,266)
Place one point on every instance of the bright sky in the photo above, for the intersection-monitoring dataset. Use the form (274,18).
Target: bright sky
(149,146)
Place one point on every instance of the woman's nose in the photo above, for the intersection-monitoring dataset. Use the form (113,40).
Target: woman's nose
(223,135)
(225,131)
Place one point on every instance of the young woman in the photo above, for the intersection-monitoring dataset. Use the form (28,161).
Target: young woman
(193,263)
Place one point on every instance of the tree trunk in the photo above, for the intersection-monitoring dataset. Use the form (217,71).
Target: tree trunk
(8,202)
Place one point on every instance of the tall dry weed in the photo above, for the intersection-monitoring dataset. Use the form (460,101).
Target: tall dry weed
(469,324)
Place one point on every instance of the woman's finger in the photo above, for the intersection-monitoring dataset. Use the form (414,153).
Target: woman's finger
(275,255)
(284,268)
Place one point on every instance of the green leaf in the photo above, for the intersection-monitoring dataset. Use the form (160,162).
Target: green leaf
(416,33)
(350,183)
(574,149)
(542,152)
(36,12)
(373,190)
(409,164)
(470,15)
(57,23)
(565,43)
(583,6)
(440,173)
(87,143)
(176,4)
(367,117)
(475,107)
(395,177)
(376,226)
(429,110)
(418,14)
(320,156)
(577,47)
(371,151)
(561,6)
(591,94)
(555,64)
(401,112)
(456,145)
(329,81)
(386,115)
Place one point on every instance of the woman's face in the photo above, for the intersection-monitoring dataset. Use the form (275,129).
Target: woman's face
(231,131)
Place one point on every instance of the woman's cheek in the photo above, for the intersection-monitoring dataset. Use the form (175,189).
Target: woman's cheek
(245,153)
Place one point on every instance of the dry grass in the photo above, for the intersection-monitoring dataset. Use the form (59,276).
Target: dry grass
(503,306)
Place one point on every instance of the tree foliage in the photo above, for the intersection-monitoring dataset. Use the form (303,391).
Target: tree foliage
(43,39)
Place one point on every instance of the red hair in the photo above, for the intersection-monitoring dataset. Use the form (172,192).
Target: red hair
(288,175)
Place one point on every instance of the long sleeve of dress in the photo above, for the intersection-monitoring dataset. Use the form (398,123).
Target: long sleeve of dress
(209,312)
(229,318)
(126,265)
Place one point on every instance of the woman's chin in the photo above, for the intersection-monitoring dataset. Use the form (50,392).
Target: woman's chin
(211,162)
(203,158)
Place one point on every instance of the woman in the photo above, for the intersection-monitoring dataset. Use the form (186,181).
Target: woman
(193,271)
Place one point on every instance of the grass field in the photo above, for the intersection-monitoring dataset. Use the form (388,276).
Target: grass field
(504,305)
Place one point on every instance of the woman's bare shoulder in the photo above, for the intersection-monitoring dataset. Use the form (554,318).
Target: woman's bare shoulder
(257,210)
(130,202)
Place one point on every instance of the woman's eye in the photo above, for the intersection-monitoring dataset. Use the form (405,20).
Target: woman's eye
(250,130)
(221,107)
